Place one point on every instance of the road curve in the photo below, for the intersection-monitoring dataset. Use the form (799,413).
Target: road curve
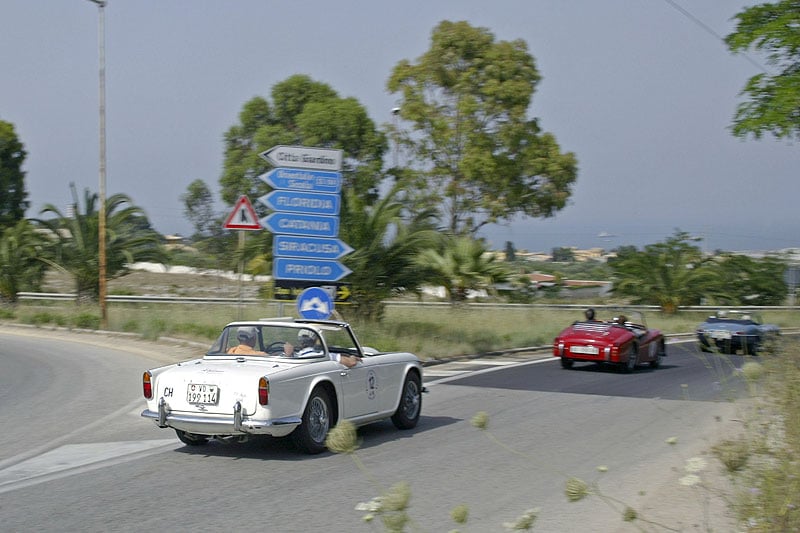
(76,456)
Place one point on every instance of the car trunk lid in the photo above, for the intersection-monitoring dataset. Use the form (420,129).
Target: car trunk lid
(214,386)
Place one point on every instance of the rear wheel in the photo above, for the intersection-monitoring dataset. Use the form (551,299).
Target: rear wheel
(661,351)
(407,414)
(310,435)
(633,355)
(190,439)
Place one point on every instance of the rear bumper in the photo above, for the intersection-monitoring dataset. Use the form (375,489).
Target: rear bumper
(604,354)
(214,424)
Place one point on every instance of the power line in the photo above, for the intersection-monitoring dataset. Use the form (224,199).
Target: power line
(708,29)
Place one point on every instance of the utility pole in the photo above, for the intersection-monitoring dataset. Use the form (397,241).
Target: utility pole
(101,223)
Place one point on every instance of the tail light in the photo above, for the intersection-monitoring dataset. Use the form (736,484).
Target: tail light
(147,385)
(263,391)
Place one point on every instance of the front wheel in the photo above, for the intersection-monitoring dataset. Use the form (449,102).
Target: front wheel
(310,435)
(190,439)
(566,363)
(407,414)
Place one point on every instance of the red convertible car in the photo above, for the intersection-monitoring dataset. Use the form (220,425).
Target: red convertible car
(624,340)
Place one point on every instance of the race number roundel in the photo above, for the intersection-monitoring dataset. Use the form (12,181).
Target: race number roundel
(315,303)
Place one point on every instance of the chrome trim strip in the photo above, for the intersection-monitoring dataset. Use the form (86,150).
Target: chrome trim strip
(245,425)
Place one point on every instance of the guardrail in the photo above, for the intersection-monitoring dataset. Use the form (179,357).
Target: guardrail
(57,296)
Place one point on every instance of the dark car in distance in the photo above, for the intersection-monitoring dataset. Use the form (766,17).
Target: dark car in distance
(731,331)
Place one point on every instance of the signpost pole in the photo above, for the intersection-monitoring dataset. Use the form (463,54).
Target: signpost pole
(241,269)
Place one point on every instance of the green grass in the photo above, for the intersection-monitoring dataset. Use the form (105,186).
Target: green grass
(431,332)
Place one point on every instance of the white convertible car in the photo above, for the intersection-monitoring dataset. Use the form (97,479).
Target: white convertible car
(283,377)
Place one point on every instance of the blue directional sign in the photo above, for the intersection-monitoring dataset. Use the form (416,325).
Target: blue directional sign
(299,224)
(315,303)
(302,202)
(303,180)
(308,269)
(309,247)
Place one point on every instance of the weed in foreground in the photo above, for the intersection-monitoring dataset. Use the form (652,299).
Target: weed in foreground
(765,464)
(391,508)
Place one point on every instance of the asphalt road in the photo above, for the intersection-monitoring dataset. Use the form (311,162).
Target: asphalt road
(76,456)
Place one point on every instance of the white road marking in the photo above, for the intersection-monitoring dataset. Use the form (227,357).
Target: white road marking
(486,362)
(482,371)
(72,459)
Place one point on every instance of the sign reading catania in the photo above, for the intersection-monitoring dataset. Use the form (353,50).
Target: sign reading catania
(305,213)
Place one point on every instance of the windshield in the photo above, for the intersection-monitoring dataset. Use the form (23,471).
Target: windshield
(296,340)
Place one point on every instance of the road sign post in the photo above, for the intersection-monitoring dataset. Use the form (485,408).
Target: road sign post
(242,218)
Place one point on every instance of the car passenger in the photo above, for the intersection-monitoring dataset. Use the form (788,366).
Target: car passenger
(308,344)
(589,314)
(247,338)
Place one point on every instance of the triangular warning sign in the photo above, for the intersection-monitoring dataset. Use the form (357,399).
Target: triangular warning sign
(243,216)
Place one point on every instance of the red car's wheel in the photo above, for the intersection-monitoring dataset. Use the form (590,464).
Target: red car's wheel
(633,355)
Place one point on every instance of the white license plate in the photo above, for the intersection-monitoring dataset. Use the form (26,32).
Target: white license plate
(589,350)
(202,393)
(720,334)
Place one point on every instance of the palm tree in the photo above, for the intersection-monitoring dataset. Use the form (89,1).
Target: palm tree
(463,264)
(22,260)
(668,274)
(385,240)
(129,239)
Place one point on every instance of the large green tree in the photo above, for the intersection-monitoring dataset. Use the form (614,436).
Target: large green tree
(480,158)
(773,100)
(308,113)
(130,238)
(23,253)
(669,274)
(385,242)
(13,197)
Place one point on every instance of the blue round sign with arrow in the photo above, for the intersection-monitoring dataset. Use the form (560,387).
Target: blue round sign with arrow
(315,303)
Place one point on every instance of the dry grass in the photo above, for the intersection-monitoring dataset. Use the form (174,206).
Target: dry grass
(432,332)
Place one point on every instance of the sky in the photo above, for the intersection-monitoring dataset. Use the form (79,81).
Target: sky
(642,91)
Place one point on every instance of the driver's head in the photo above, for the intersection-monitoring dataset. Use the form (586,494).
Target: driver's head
(305,338)
(247,336)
